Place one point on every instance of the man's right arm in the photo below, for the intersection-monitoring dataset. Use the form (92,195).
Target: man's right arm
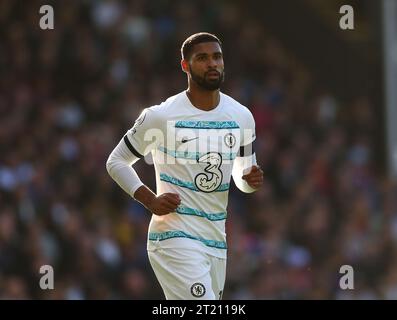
(119,166)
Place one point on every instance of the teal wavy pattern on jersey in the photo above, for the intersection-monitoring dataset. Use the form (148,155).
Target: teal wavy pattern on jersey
(160,236)
(195,212)
(194,155)
(207,124)
(189,185)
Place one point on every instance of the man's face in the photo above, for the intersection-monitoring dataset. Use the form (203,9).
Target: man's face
(206,66)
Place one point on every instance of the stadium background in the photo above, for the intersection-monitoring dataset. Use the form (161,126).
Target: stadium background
(68,95)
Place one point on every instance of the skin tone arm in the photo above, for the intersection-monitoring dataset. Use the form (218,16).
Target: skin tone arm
(158,205)
(119,167)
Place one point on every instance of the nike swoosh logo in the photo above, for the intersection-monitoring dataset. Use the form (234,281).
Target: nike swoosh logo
(184,140)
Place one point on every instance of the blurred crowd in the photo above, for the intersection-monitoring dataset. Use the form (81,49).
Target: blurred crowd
(68,95)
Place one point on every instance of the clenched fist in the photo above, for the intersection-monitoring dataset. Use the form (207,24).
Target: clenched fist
(254,177)
(164,203)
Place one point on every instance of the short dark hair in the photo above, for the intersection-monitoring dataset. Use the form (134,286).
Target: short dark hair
(197,38)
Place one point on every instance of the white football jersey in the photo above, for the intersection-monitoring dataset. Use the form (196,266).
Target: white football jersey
(193,153)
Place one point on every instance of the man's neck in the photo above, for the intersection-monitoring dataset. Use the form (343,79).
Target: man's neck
(203,99)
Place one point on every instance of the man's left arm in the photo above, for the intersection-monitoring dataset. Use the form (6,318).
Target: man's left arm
(247,175)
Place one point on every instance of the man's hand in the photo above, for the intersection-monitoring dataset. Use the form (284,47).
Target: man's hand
(164,204)
(159,205)
(254,177)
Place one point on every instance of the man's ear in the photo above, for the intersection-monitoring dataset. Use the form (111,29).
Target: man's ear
(184,66)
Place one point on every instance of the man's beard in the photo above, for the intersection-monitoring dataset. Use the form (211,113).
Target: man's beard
(208,84)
